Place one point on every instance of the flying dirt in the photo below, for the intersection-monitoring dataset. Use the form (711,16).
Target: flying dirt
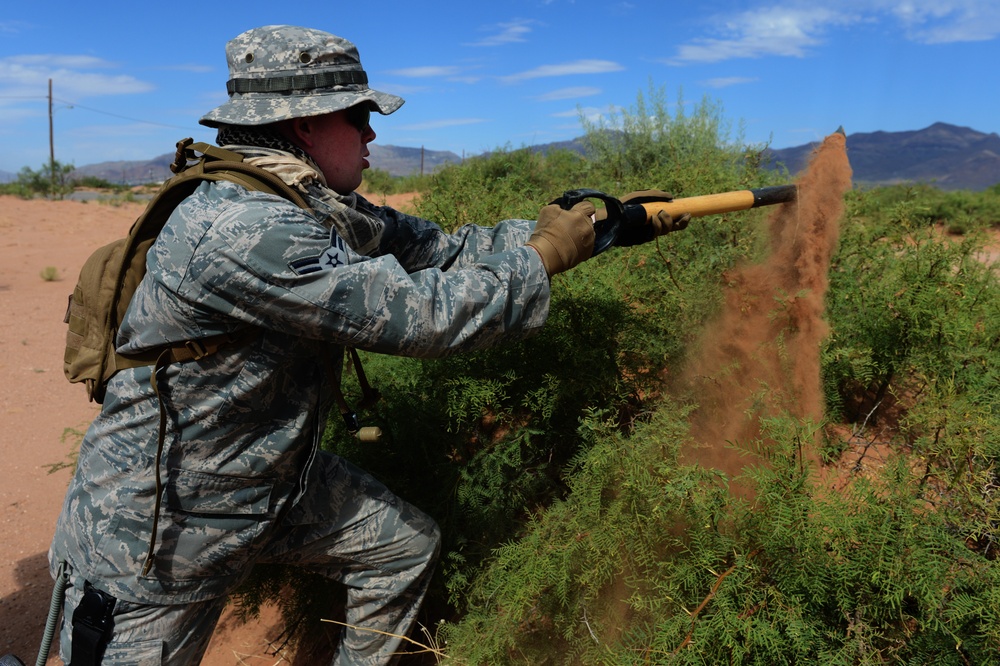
(761,357)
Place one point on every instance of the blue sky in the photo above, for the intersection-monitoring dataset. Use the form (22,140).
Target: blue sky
(130,79)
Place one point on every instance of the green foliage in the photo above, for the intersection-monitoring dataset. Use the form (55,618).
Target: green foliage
(902,297)
(379,181)
(963,210)
(43,183)
(505,183)
(573,532)
(685,153)
(49,181)
(93,182)
(647,561)
(960,211)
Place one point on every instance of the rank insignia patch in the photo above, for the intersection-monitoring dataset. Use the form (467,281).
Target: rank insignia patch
(333,256)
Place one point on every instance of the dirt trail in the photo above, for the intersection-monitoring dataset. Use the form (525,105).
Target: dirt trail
(761,357)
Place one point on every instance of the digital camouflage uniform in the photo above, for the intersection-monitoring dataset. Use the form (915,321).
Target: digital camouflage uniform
(242,479)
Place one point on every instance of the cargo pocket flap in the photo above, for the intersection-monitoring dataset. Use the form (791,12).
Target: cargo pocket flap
(218,494)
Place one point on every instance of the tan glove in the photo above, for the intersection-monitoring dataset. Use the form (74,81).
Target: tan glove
(662,221)
(564,238)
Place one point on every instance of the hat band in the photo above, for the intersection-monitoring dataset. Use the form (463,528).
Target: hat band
(277,84)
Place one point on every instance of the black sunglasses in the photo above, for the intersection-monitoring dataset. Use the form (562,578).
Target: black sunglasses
(359,116)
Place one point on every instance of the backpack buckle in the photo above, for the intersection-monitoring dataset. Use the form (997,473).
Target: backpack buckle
(197,350)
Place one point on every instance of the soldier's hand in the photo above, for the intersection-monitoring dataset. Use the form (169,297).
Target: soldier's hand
(661,222)
(564,238)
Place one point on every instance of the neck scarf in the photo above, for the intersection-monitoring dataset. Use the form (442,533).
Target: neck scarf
(265,148)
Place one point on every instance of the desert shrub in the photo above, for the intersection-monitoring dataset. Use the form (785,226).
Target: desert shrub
(48,181)
(963,210)
(95,182)
(504,183)
(379,181)
(649,561)
(573,533)
(902,302)
(686,153)
(921,204)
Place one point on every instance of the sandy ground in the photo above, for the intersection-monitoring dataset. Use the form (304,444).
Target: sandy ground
(42,415)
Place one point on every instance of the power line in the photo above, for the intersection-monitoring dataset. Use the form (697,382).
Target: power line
(92,109)
(116,115)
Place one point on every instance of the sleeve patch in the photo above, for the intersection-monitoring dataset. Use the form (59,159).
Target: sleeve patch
(334,256)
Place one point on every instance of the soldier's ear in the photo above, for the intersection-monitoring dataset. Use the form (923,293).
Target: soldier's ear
(299,131)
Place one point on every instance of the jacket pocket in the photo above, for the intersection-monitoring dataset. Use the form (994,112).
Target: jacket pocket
(209,524)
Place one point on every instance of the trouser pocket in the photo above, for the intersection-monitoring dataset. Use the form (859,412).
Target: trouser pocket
(208,526)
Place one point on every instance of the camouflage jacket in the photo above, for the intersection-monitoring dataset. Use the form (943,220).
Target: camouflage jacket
(244,424)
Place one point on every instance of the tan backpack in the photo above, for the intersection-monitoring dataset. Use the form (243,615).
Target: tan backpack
(111,275)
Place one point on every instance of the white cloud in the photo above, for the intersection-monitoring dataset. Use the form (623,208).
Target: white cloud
(119,130)
(726,81)
(773,31)
(427,71)
(506,33)
(10,116)
(12,27)
(451,73)
(393,88)
(945,21)
(569,93)
(42,61)
(793,27)
(192,68)
(441,124)
(565,69)
(72,77)
(589,112)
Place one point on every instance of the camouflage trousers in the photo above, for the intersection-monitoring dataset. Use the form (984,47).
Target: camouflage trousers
(378,546)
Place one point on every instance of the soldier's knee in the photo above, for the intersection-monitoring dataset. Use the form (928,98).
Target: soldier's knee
(434,541)
(424,542)
(429,544)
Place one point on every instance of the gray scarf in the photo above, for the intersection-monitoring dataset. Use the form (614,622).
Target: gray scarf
(348,215)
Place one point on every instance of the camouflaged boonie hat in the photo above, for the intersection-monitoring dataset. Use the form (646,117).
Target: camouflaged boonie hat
(279,72)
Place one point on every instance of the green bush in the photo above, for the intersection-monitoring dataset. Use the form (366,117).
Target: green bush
(649,561)
(504,183)
(94,182)
(686,153)
(49,181)
(379,181)
(573,532)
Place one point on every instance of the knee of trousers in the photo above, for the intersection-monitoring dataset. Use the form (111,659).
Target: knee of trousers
(423,543)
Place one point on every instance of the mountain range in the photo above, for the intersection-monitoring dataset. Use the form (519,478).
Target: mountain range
(946,156)
(943,155)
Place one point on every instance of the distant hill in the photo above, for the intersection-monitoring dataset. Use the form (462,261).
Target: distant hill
(129,172)
(397,160)
(946,156)
(400,161)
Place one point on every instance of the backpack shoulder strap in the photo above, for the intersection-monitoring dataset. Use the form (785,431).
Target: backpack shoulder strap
(213,164)
(220,164)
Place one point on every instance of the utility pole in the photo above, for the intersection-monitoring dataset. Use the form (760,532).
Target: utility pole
(421,161)
(52,145)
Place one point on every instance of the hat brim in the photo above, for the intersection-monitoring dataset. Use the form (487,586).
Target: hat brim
(257,109)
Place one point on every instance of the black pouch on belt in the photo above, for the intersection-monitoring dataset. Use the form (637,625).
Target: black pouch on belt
(93,621)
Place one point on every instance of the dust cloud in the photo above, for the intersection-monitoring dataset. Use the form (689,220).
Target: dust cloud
(761,356)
